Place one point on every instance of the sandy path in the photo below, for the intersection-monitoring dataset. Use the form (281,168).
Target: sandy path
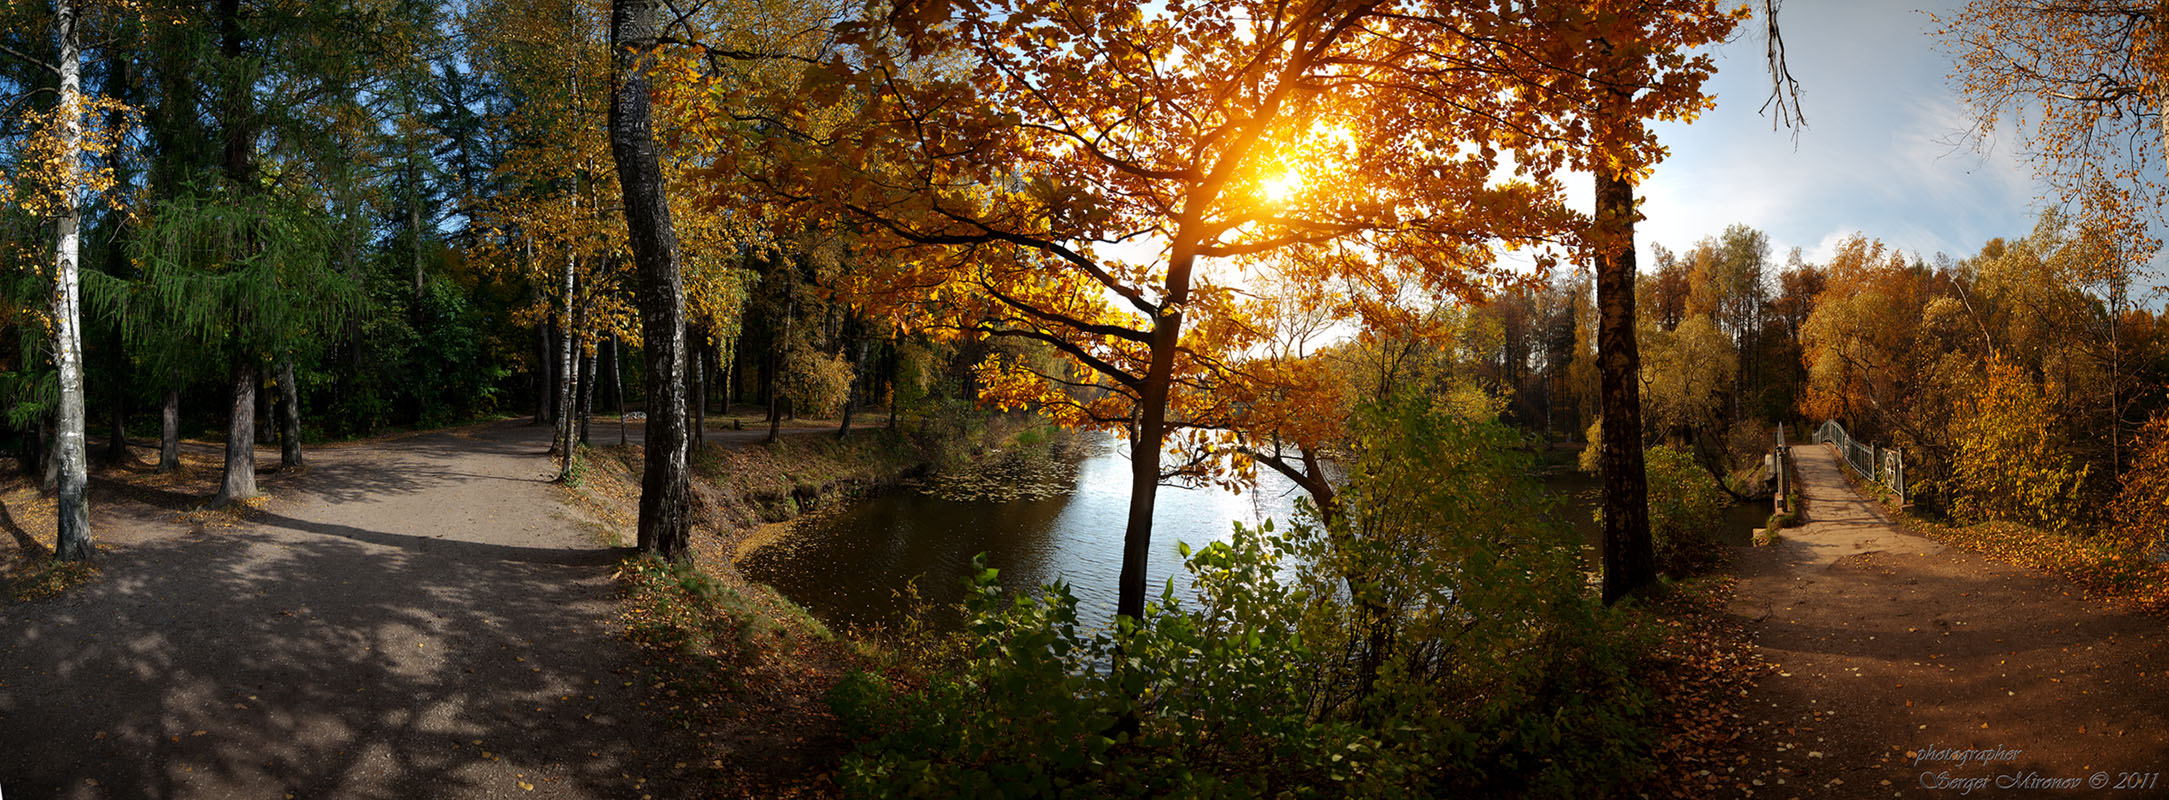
(1889,644)
(410,618)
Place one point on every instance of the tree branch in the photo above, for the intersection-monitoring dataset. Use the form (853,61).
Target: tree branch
(6,50)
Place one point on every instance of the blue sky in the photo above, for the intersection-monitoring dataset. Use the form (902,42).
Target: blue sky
(1885,152)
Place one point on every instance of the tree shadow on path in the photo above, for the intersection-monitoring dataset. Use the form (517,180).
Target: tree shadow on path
(329,651)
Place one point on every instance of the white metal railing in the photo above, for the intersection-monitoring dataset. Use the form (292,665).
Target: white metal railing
(1880,465)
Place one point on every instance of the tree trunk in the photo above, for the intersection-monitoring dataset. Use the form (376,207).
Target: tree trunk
(567,370)
(732,376)
(118,83)
(289,414)
(665,516)
(1308,474)
(617,382)
(73,481)
(775,378)
(545,355)
(49,451)
(617,388)
(240,478)
(764,384)
(169,432)
(267,410)
(236,118)
(697,359)
(587,394)
(568,411)
(851,396)
(1629,555)
(414,227)
(1145,462)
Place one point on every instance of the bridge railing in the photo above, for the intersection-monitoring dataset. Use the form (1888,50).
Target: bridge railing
(1777,467)
(1882,465)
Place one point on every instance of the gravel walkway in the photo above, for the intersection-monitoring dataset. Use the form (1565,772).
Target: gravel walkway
(411,617)
(1900,662)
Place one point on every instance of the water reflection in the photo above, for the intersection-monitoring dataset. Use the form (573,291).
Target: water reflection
(848,567)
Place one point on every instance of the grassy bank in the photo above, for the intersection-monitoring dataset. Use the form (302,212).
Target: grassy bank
(2102,568)
(742,669)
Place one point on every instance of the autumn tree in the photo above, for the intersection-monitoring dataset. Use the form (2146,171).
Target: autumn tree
(2081,83)
(1065,179)
(59,169)
(1859,340)
(1664,292)
(665,520)
(1687,375)
(1639,69)
(2141,509)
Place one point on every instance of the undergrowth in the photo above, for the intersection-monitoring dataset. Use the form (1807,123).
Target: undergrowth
(43,578)
(1699,661)
(705,630)
(2102,568)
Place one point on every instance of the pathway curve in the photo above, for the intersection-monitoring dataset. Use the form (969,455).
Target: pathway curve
(412,617)
(1888,644)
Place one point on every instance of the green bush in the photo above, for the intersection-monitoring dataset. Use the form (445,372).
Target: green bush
(1686,506)
(1435,639)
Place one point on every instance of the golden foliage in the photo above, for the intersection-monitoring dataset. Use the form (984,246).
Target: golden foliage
(67,155)
(2010,463)
(2141,510)
(1159,193)
(2081,84)
(1858,339)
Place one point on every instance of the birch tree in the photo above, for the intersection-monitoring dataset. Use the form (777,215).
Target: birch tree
(57,174)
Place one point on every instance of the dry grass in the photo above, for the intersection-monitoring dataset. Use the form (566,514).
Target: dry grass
(742,668)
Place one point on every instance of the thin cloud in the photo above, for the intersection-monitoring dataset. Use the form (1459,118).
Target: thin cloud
(1878,157)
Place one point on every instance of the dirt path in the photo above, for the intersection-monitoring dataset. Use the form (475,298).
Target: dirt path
(414,617)
(1896,655)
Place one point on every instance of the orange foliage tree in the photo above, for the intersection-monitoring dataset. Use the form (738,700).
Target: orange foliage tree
(1859,341)
(2142,505)
(1100,177)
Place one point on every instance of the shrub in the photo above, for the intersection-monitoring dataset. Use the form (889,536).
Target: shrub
(1686,506)
(2142,502)
(1436,640)
(2011,463)
(817,383)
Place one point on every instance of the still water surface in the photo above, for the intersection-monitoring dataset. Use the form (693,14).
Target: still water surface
(848,567)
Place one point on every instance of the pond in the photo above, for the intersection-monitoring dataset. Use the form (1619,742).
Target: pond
(849,567)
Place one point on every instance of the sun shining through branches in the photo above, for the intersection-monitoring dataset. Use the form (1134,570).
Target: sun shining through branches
(1015,185)
(1282,188)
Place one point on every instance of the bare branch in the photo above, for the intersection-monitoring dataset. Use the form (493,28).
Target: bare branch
(1784,88)
(6,50)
